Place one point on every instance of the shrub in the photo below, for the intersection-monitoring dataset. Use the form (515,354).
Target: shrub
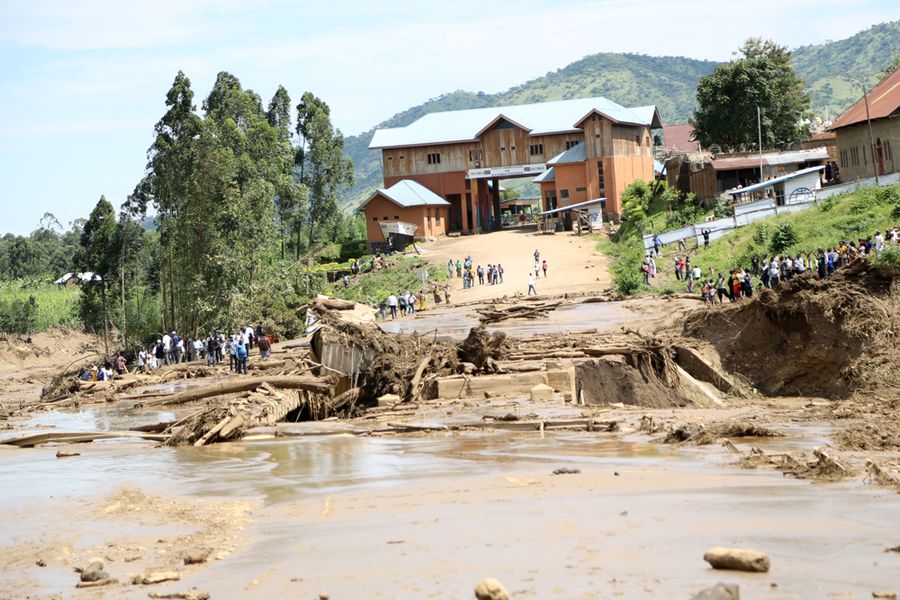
(888,258)
(896,212)
(760,235)
(721,209)
(18,315)
(888,195)
(783,238)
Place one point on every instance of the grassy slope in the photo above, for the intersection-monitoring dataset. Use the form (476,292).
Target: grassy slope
(401,274)
(831,69)
(848,217)
(56,305)
(632,80)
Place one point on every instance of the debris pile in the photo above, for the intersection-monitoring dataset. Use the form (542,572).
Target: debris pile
(830,337)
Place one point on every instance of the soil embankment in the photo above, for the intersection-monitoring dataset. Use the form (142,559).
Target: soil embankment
(811,337)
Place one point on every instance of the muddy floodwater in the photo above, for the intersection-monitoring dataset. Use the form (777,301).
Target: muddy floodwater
(429,516)
(454,322)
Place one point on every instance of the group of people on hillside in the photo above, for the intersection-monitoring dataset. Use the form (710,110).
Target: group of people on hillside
(774,270)
(469,273)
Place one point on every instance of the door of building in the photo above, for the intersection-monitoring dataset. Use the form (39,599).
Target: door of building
(879,156)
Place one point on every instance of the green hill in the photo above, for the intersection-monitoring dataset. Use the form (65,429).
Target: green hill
(832,71)
(633,80)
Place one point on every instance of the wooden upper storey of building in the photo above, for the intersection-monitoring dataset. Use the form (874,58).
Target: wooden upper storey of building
(530,134)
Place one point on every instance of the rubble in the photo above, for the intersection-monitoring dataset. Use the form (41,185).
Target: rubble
(737,559)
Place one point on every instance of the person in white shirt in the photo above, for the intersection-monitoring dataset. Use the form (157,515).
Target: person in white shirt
(697,273)
(142,360)
(167,346)
(879,241)
(531,288)
(392,305)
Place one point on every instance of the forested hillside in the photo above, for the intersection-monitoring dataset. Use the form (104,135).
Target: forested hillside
(832,71)
(828,70)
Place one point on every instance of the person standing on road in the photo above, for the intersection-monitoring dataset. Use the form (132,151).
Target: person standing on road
(499,273)
(544,268)
(480,271)
(392,306)
(458,268)
(706,238)
(537,256)
(450,269)
(531,288)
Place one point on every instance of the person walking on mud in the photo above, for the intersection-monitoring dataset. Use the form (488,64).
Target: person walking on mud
(544,268)
(531,288)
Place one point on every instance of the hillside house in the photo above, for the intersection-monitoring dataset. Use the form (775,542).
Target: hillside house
(595,146)
(861,153)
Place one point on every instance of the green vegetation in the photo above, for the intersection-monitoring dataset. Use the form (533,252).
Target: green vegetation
(27,306)
(401,274)
(827,70)
(728,99)
(847,217)
(831,71)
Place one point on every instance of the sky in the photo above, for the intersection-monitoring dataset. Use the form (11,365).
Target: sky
(82,83)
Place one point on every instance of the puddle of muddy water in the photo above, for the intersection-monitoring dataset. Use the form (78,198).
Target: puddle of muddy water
(430,516)
(454,322)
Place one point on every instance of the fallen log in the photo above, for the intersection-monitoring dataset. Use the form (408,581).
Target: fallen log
(72,437)
(309,384)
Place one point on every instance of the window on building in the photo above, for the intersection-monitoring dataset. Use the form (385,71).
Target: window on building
(637,140)
(601,182)
(402,157)
(502,148)
(390,157)
(581,189)
(374,218)
(887,150)
(396,218)
(563,193)
(571,143)
(468,184)
(865,162)
(434,158)
(385,218)
(475,155)
(536,149)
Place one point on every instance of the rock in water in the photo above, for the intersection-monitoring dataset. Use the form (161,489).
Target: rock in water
(720,591)
(491,589)
(737,559)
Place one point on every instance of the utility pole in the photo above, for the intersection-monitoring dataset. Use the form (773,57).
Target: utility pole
(871,137)
(759,129)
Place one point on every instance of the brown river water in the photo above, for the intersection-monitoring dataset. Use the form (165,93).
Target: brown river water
(428,516)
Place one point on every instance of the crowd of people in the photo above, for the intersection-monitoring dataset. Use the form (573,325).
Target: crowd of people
(771,271)
(170,349)
(469,273)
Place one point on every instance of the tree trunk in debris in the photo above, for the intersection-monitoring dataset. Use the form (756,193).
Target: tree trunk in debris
(309,384)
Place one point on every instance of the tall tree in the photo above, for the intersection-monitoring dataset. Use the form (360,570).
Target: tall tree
(324,168)
(727,99)
(96,253)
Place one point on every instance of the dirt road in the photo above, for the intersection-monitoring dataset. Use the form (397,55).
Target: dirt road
(574,265)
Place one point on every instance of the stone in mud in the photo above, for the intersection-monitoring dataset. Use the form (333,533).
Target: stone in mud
(720,591)
(491,589)
(197,557)
(388,400)
(93,571)
(737,559)
(157,577)
(541,392)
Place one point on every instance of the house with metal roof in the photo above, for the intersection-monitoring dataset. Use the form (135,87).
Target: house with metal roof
(595,147)
(407,209)
(868,132)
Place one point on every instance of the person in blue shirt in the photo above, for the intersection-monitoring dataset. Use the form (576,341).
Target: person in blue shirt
(240,351)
